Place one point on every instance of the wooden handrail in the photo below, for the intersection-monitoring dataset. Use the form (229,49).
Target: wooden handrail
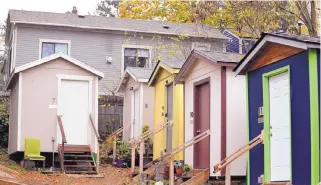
(64,140)
(93,126)
(62,131)
(97,162)
(118,131)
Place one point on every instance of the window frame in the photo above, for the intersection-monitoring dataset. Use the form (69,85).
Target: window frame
(53,41)
(124,46)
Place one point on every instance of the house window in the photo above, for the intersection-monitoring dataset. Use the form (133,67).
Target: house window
(48,48)
(136,57)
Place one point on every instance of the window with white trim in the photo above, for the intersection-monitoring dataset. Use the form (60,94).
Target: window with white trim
(48,48)
(136,57)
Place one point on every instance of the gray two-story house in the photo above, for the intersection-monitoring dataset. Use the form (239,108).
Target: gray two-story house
(57,59)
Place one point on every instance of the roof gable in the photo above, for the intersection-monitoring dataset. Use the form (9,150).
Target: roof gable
(210,57)
(136,73)
(158,69)
(294,41)
(55,56)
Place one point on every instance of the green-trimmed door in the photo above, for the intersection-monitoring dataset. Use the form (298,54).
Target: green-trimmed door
(280,136)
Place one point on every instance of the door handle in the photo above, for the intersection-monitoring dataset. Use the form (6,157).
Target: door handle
(271,134)
(198,131)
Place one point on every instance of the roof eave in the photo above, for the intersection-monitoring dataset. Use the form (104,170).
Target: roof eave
(239,69)
(112,29)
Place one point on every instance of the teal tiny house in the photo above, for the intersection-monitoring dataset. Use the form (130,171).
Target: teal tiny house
(282,75)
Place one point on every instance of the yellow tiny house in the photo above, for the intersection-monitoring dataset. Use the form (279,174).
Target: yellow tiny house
(168,107)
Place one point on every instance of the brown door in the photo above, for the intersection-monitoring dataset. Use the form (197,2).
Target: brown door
(201,124)
(169,117)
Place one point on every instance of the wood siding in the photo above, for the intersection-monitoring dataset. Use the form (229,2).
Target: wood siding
(92,48)
(159,114)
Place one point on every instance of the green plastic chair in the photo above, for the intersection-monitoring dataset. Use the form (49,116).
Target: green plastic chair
(32,151)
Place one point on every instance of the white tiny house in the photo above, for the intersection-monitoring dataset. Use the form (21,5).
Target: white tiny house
(138,101)
(214,99)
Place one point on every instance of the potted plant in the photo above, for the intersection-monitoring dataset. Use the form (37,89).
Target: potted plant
(187,174)
(123,154)
(178,166)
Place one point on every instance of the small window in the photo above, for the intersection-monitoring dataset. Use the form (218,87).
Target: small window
(52,48)
(136,57)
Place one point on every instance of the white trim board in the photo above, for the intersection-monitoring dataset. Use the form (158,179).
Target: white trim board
(19,113)
(59,55)
(274,39)
(55,42)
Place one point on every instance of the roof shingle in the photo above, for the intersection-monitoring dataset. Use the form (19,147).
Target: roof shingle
(110,23)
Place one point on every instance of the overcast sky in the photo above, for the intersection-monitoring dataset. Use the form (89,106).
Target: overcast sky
(61,6)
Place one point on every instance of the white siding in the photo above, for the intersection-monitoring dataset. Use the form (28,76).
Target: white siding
(235,114)
(200,71)
(235,119)
(93,48)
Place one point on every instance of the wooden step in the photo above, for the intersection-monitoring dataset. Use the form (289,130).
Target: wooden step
(75,155)
(79,165)
(88,161)
(80,172)
(76,148)
(76,159)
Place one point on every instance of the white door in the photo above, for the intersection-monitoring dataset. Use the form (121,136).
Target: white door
(74,108)
(136,129)
(280,137)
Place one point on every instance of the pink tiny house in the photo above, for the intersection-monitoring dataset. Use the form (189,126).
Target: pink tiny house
(138,100)
(213,99)
(54,85)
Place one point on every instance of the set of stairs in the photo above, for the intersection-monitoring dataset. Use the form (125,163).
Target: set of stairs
(77,159)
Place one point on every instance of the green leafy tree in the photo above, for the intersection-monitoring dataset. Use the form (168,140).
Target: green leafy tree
(107,8)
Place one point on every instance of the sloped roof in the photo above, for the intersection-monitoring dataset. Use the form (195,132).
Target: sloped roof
(220,56)
(226,59)
(298,41)
(137,73)
(140,73)
(174,64)
(111,23)
(50,58)
(170,66)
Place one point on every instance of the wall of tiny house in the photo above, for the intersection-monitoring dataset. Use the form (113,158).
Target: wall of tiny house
(38,103)
(146,106)
(304,115)
(162,79)
(235,114)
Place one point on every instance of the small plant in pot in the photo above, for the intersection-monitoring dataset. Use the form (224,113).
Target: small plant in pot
(123,155)
(178,165)
(187,172)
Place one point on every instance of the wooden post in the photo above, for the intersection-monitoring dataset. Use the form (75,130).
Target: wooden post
(133,158)
(228,175)
(114,148)
(141,160)
(171,170)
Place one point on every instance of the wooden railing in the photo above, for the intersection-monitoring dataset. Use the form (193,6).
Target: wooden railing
(97,136)
(64,140)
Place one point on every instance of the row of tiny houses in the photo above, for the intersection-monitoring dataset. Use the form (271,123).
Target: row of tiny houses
(282,73)
(273,89)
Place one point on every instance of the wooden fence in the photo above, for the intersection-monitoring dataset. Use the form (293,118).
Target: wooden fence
(110,114)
